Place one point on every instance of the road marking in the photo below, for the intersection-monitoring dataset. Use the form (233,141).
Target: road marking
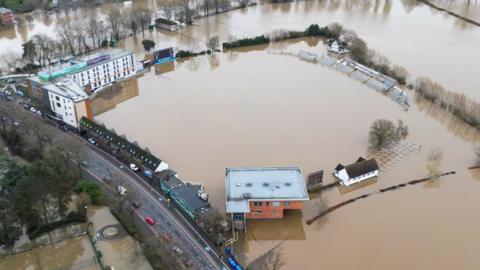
(161,206)
(149,195)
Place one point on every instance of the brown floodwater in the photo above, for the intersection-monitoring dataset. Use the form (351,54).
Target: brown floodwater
(122,252)
(255,108)
(76,253)
(425,41)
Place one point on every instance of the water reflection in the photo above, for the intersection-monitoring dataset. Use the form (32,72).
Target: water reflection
(476,174)
(108,98)
(453,124)
(67,254)
(164,68)
(288,228)
(316,205)
(214,61)
(9,33)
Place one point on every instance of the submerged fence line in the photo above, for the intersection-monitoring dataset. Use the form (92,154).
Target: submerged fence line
(339,205)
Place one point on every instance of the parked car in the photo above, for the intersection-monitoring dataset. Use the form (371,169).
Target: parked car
(91,140)
(26,106)
(39,113)
(150,220)
(84,164)
(148,173)
(134,167)
(32,109)
(9,98)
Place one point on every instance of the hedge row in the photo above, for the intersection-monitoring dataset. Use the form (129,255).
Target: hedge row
(312,31)
(184,54)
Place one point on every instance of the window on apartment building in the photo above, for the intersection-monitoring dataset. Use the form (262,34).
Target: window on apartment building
(257,203)
(276,203)
(257,211)
(66,114)
(57,98)
(267,203)
(286,203)
(59,105)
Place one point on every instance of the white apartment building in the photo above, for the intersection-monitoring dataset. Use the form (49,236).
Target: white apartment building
(68,101)
(104,68)
(95,70)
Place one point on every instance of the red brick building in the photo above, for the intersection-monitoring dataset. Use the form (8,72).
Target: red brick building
(263,193)
(6,16)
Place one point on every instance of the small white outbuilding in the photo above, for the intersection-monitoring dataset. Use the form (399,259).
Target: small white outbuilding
(361,170)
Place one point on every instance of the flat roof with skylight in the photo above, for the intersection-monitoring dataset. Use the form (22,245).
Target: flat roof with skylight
(263,184)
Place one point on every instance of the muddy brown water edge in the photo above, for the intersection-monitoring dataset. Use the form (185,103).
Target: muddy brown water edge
(251,108)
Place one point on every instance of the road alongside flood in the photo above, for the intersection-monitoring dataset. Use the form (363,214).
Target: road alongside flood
(253,108)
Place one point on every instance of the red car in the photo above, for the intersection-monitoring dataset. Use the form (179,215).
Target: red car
(150,220)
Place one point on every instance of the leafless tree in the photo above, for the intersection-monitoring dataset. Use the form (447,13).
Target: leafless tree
(468,110)
(213,43)
(206,7)
(80,36)
(45,48)
(243,3)
(402,130)
(400,71)
(64,29)
(95,30)
(114,18)
(144,17)
(336,29)
(358,50)
(186,11)
(435,157)
(11,59)
(168,10)
(382,133)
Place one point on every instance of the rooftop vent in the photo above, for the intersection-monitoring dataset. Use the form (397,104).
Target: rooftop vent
(265,184)
(238,184)
(247,195)
(288,184)
(278,186)
(248,184)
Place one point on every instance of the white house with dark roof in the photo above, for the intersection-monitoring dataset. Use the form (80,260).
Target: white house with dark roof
(359,171)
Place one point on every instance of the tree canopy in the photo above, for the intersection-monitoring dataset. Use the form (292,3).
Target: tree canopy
(148,44)
(384,132)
